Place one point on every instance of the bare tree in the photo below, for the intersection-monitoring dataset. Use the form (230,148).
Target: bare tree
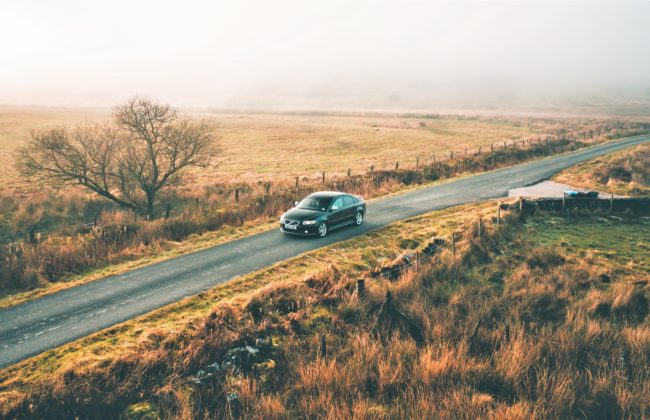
(129,160)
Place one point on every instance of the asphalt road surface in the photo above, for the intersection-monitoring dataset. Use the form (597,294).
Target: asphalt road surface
(33,327)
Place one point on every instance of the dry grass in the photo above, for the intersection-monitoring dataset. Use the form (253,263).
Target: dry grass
(623,173)
(271,147)
(508,331)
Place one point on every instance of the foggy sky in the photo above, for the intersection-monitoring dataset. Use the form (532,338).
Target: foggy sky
(319,53)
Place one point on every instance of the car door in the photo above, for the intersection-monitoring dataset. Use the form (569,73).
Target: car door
(337,212)
(350,207)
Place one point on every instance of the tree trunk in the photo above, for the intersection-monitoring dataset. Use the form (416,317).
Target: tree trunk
(151,195)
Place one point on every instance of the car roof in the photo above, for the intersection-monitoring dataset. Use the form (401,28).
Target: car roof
(327,194)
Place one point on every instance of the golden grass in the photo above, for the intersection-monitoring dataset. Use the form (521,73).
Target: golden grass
(279,146)
(508,331)
(600,174)
(349,257)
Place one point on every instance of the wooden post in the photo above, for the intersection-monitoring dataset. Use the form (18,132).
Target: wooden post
(361,287)
(480,227)
(236,194)
(372,168)
(349,171)
(492,147)
(32,236)
(196,201)
(451,155)
(168,209)
(417,260)
(389,298)
(417,162)
(297,178)
(505,145)
(466,152)
(479,150)
(323,176)
(323,345)
(563,201)
(267,187)
(611,203)
(499,215)
(522,205)
(396,165)
(629,162)
(453,244)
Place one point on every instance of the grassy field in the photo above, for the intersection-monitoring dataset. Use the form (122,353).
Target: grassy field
(278,146)
(513,326)
(623,173)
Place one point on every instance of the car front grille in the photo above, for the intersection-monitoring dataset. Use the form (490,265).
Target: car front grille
(291,222)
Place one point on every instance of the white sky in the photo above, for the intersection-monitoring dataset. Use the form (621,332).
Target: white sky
(284,53)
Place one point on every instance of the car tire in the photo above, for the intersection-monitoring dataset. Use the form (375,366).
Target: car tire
(322,229)
(358,218)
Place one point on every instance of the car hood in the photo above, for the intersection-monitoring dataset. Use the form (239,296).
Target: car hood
(302,214)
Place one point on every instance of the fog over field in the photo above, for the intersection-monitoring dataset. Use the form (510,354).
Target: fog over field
(328,54)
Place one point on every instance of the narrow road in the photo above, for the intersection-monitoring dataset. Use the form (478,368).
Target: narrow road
(33,327)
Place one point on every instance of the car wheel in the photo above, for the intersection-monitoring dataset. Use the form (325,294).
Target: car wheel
(358,218)
(322,229)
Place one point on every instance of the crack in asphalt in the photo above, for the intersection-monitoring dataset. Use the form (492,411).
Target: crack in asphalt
(35,326)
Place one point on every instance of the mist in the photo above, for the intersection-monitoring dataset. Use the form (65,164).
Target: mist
(350,54)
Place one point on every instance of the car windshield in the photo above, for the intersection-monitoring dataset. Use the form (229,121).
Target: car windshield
(315,203)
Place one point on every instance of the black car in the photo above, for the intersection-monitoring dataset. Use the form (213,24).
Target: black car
(323,211)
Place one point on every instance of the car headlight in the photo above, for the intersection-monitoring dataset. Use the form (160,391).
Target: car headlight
(309,222)
(282,219)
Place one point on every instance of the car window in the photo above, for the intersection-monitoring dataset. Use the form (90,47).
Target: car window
(338,202)
(348,201)
(315,203)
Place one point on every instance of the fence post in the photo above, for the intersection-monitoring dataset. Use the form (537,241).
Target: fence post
(297,181)
(349,171)
(611,203)
(372,168)
(453,244)
(451,155)
(323,345)
(396,165)
(236,194)
(417,260)
(563,201)
(361,287)
(323,176)
(480,227)
(167,210)
(417,162)
(505,145)
(479,150)
(32,236)
(522,205)
(492,147)
(499,215)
